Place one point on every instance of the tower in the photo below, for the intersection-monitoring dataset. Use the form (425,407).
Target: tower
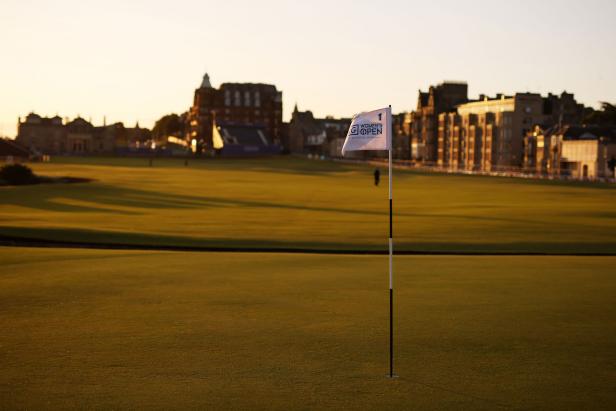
(206,81)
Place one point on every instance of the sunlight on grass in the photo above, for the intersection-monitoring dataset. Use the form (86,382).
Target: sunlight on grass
(134,330)
(290,201)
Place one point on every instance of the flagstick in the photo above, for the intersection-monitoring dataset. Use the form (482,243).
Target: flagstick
(391,278)
(371,139)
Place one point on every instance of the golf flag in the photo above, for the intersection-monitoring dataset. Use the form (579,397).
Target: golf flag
(369,131)
(372,131)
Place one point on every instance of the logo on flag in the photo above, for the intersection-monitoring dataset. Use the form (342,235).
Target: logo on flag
(369,131)
(372,129)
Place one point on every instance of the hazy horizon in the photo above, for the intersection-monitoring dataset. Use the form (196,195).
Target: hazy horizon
(139,61)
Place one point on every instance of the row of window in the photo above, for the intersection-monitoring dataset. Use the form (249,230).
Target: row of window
(248,120)
(249,99)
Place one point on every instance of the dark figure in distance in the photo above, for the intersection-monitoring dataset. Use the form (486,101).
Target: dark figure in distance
(377,176)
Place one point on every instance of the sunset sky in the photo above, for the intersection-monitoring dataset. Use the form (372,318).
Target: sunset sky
(137,60)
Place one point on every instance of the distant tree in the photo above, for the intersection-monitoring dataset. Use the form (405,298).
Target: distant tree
(168,125)
(587,114)
(605,116)
(17,174)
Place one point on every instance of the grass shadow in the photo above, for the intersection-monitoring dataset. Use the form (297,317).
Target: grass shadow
(91,238)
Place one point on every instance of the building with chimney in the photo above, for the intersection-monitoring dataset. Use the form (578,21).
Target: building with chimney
(438,99)
(488,134)
(52,135)
(234,104)
(580,152)
(325,136)
(316,136)
(492,130)
(45,135)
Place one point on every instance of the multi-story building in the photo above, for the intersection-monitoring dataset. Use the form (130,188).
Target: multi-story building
(325,136)
(493,129)
(235,104)
(401,126)
(582,152)
(42,134)
(52,135)
(424,120)
(449,140)
(448,130)
(319,136)
(129,138)
(488,134)
(537,149)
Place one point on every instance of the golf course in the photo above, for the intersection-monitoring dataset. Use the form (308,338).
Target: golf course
(286,203)
(505,288)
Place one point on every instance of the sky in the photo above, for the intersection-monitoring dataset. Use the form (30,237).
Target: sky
(135,61)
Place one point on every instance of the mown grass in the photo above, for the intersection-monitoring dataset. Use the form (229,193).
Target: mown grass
(290,202)
(87,329)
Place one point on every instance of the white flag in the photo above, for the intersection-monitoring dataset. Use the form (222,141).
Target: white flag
(217,140)
(369,131)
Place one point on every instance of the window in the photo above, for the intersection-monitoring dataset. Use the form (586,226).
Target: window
(227,98)
(247,98)
(237,98)
(257,99)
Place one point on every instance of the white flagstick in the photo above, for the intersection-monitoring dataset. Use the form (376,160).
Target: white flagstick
(391,275)
(366,133)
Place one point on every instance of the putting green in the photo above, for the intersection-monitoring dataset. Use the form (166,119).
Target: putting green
(160,330)
(290,202)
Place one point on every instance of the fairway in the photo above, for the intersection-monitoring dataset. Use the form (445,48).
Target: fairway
(162,330)
(288,202)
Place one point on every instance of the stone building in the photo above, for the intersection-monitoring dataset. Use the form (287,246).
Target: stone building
(52,135)
(45,135)
(537,147)
(488,134)
(581,152)
(80,137)
(448,151)
(492,130)
(310,135)
(305,132)
(424,120)
(128,138)
(234,104)
(325,136)
(335,131)
(401,126)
